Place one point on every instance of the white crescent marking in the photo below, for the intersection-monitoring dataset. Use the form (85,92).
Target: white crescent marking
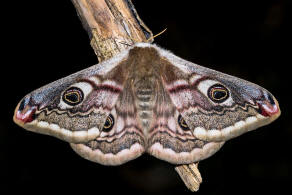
(235,130)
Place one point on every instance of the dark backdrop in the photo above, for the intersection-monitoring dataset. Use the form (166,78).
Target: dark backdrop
(44,41)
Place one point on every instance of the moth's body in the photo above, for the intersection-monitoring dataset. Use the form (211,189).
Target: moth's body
(147,100)
(143,82)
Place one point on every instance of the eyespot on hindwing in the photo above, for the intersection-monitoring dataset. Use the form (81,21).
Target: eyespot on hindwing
(182,123)
(109,123)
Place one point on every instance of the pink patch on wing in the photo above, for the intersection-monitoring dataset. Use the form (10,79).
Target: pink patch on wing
(25,116)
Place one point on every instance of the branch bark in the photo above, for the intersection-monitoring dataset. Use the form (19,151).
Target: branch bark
(190,175)
(113,26)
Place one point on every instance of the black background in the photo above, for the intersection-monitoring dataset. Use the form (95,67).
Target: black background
(44,41)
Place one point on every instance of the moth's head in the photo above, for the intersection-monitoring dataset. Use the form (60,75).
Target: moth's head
(63,109)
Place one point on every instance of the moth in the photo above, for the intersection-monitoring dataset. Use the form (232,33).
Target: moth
(146,99)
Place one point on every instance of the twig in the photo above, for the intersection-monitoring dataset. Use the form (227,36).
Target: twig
(114,25)
(191,176)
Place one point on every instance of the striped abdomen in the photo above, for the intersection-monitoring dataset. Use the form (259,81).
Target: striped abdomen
(144,100)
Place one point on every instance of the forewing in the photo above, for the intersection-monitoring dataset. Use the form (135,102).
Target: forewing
(76,107)
(192,87)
